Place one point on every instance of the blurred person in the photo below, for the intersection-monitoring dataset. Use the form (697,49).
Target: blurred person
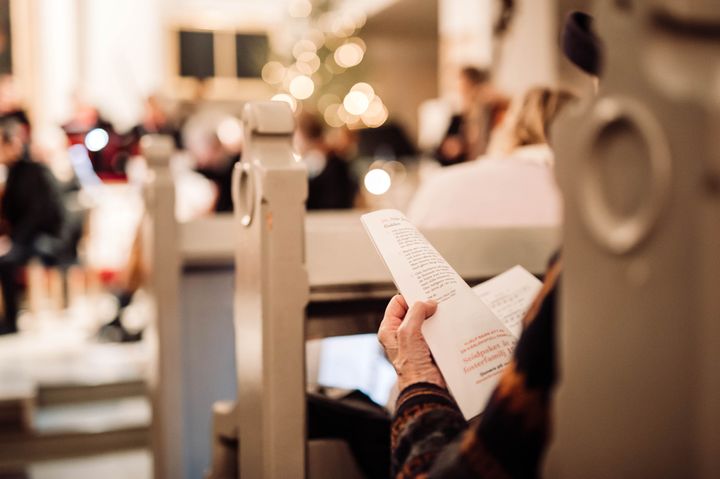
(108,150)
(214,149)
(331,184)
(217,166)
(157,121)
(482,108)
(11,107)
(31,216)
(430,437)
(516,187)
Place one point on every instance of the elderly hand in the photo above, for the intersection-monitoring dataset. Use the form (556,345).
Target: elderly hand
(401,335)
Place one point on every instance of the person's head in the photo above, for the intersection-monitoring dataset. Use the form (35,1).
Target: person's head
(470,82)
(12,145)
(540,106)
(309,133)
(154,114)
(529,119)
(582,46)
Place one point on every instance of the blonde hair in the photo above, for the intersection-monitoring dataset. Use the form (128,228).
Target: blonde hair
(528,120)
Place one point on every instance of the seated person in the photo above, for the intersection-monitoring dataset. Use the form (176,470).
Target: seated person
(482,109)
(505,189)
(330,181)
(430,437)
(32,216)
(430,434)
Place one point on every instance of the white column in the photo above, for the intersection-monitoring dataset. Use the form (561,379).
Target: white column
(639,335)
(270,188)
(465,29)
(162,255)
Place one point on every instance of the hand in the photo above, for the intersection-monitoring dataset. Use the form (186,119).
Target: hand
(5,245)
(452,147)
(401,336)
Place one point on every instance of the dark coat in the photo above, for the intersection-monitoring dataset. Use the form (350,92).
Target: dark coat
(31,205)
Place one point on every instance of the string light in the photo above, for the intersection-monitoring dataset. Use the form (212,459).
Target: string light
(230,131)
(356,103)
(332,116)
(348,55)
(376,114)
(377,181)
(302,87)
(300,8)
(96,139)
(287,99)
(273,72)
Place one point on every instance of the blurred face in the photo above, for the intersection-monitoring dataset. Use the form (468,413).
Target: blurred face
(467,90)
(10,151)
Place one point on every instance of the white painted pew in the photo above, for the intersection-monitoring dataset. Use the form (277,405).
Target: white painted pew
(191,284)
(285,262)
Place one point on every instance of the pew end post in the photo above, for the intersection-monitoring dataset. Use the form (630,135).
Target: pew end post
(272,290)
(162,257)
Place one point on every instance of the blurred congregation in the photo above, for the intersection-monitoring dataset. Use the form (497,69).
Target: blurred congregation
(188,290)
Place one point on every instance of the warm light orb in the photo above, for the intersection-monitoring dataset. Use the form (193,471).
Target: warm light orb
(287,99)
(332,115)
(310,62)
(303,46)
(300,8)
(96,139)
(356,102)
(365,89)
(302,87)
(348,54)
(376,113)
(273,72)
(377,181)
(230,131)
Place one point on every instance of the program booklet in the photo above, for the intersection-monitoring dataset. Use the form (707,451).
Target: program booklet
(472,334)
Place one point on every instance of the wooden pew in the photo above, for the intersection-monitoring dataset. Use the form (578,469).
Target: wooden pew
(318,275)
(190,280)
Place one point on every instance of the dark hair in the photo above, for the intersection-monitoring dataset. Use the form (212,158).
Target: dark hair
(581,44)
(310,126)
(9,129)
(475,75)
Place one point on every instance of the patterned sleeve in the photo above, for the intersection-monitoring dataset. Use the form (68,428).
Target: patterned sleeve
(510,438)
(426,420)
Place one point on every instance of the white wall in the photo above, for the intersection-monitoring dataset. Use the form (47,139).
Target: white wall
(529,53)
(122,53)
(465,31)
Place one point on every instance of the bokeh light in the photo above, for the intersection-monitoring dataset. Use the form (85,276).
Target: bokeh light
(230,131)
(308,62)
(96,139)
(302,87)
(303,46)
(356,102)
(376,113)
(377,181)
(332,115)
(300,8)
(273,72)
(316,36)
(287,99)
(365,89)
(349,54)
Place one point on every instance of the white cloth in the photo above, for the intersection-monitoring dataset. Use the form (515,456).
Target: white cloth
(518,190)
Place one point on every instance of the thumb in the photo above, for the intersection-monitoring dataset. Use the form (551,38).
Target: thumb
(417,315)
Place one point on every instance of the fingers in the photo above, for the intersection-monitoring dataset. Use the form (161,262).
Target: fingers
(394,313)
(397,307)
(416,316)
